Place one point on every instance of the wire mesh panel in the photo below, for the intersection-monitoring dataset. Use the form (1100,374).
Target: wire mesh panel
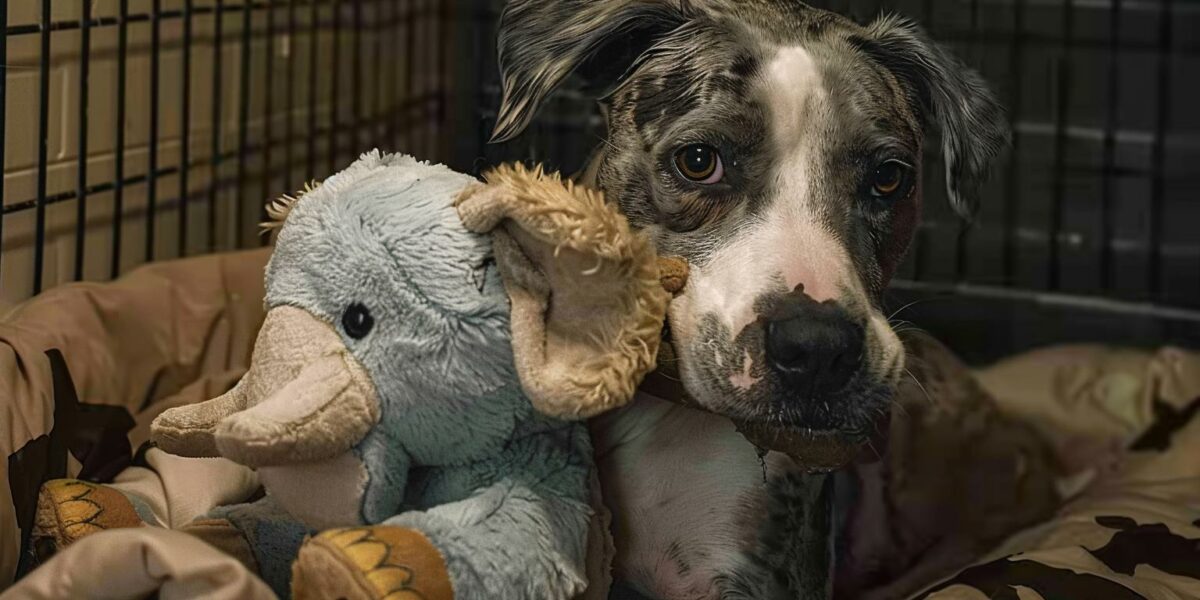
(1092,199)
(137,130)
(145,129)
(1097,198)
(1089,220)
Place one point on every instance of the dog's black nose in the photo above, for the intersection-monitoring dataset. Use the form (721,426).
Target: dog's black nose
(817,348)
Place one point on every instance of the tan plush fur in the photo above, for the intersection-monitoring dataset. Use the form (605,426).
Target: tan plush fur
(278,209)
(587,302)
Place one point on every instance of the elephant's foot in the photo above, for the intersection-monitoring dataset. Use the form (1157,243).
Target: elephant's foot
(371,563)
(69,509)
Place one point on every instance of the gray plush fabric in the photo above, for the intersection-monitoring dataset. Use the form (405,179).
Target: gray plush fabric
(458,452)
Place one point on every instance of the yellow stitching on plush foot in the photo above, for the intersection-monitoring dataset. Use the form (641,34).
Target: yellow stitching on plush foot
(69,509)
(371,563)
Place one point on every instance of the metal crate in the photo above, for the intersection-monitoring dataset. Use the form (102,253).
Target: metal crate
(205,109)
(137,130)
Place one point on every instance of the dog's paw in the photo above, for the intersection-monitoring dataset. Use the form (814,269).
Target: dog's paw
(371,563)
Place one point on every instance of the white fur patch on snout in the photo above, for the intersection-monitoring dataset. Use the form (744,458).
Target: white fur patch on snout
(785,248)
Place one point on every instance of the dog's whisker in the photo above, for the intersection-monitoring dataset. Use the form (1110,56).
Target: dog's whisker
(917,359)
(920,385)
(604,140)
(907,306)
(871,445)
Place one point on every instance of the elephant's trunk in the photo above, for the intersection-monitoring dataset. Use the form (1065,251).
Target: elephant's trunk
(304,399)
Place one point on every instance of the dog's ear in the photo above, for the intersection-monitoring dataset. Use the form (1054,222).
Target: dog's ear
(952,96)
(541,42)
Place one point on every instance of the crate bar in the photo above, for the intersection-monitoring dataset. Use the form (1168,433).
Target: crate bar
(413,77)
(921,239)
(482,22)
(267,176)
(1058,198)
(3,121)
(1103,304)
(410,42)
(39,250)
(1158,152)
(314,18)
(334,82)
(356,75)
(119,159)
(407,108)
(422,78)
(1112,98)
(288,101)
(185,122)
(71,24)
(92,190)
(946,35)
(962,242)
(443,85)
(1012,196)
(243,125)
(949,35)
(215,168)
(152,178)
(134,18)
(401,83)
(383,18)
(81,161)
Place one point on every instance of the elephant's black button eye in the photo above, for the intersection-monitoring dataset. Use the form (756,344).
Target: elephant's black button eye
(357,321)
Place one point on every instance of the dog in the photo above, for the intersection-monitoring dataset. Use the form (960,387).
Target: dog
(777,148)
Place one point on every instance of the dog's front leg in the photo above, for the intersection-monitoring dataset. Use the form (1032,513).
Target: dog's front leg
(795,543)
(698,516)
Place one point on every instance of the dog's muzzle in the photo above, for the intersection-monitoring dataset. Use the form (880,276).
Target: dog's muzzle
(811,450)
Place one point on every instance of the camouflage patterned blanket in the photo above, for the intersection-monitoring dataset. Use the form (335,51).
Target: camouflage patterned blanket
(1066,473)
(1133,531)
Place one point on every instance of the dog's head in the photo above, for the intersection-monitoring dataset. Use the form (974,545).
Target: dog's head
(777,148)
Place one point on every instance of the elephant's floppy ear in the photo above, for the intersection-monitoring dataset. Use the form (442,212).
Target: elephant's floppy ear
(588,305)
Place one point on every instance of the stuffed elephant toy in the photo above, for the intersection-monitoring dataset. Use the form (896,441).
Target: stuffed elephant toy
(415,396)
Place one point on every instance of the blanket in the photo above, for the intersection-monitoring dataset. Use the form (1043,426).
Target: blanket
(1064,472)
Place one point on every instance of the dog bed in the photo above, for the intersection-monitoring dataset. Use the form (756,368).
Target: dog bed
(85,368)
(1066,472)
(1124,423)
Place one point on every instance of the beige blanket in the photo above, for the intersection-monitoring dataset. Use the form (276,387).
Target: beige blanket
(136,563)
(182,331)
(167,333)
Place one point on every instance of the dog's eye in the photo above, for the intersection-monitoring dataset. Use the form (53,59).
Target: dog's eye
(891,180)
(357,321)
(700,163)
